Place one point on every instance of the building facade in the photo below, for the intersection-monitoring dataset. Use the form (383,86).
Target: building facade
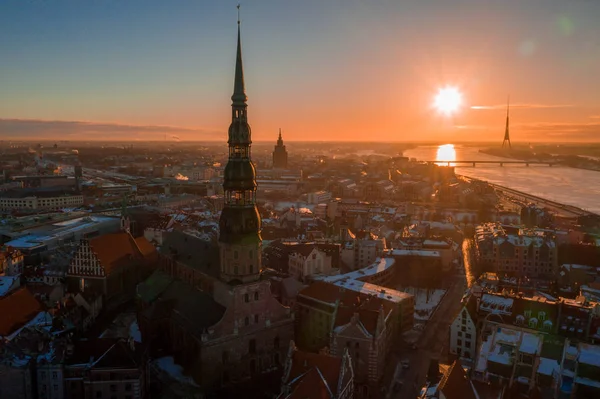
(307,260)
(463,331)
(280,155)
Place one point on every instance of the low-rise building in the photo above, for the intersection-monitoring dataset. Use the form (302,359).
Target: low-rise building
(463,331)
(307,260)
(312,375)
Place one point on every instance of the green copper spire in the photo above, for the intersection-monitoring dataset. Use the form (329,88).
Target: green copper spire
(239,90)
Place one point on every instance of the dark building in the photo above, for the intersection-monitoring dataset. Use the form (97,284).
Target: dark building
(232,328)
(280,155)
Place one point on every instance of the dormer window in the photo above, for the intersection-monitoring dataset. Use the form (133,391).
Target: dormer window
(528,314)
(520,320)
(542,315)
(533,323)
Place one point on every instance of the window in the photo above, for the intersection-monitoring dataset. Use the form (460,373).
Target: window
(128,386)
(542,316)
(43,375)
(246,298)
(252,346)
(246,321)
(468,336)
(235,254)
(528,313)
(464,321)
(251,269)
(235,270)
(459,342)
(225,357)
(55,387)
(54,375)
(256,296)
(255,319)
(276,343)
(276,359)
(460,333)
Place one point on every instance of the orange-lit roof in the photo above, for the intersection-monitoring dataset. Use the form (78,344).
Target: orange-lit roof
(17,309)
(112,249)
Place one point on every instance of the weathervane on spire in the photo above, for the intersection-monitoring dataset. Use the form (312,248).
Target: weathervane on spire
(238,7)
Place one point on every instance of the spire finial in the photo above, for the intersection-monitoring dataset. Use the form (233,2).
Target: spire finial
(239,93)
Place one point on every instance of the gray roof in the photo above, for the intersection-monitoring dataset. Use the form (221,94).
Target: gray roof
(192,251)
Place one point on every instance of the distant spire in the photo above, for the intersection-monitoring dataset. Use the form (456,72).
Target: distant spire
(239,91)
(506,132)
(279,133)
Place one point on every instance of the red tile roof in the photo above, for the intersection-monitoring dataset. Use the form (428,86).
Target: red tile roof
(305,365)
(114,249)
(17,309)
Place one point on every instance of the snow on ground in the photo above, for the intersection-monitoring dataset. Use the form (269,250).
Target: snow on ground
(175,371)
(426,300)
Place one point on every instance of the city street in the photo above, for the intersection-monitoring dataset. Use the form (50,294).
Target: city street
(433,343)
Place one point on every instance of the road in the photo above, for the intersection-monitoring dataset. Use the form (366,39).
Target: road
(433,343)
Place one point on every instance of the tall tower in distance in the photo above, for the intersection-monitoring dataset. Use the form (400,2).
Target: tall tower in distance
(506,133)
(280,155)
(239,238)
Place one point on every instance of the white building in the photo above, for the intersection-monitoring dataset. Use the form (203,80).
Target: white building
(463,331)
(308,260)
(34,202)
(319,197)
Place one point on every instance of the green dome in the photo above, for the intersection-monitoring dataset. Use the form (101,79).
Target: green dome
(240,225)
(239,174)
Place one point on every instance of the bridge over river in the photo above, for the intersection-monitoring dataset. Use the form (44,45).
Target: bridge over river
(500,163)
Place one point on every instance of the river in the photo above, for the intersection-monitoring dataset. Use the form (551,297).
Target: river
(577,187)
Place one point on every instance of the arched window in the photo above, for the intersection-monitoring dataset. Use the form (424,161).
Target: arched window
(246,298)
(533,323)
(256,296)
(542,315)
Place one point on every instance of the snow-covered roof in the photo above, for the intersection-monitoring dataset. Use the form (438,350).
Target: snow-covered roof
(548,366)
(380,265)
(411,252)
(589,354)
(530,343)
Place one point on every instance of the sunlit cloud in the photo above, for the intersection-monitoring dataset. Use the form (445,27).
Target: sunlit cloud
(27,129)
(539,106)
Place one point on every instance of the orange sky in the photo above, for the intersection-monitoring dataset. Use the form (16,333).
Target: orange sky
(339,71)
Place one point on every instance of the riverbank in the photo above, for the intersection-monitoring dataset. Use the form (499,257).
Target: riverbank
(571,161)
(565,210)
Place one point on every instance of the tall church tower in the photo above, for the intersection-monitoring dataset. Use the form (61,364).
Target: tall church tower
(239,239)
(280,155)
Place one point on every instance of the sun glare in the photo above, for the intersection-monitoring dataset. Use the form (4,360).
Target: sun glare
(448,100)
(446,153)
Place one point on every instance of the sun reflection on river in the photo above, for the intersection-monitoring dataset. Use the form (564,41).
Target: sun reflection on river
(446,153)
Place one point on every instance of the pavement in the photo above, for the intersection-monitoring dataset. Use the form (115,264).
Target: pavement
(433,343)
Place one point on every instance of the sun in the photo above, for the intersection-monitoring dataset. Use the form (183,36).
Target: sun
(448,100)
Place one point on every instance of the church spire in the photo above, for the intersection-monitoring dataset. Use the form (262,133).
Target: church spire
(239,97)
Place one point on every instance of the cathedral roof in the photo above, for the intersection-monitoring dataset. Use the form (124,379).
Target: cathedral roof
(192,251)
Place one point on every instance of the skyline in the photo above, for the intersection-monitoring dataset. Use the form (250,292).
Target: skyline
(330,73)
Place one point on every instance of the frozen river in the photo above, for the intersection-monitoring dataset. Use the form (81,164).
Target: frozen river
(577,187)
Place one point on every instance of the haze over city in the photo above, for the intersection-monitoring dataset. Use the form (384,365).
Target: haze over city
(335,71)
